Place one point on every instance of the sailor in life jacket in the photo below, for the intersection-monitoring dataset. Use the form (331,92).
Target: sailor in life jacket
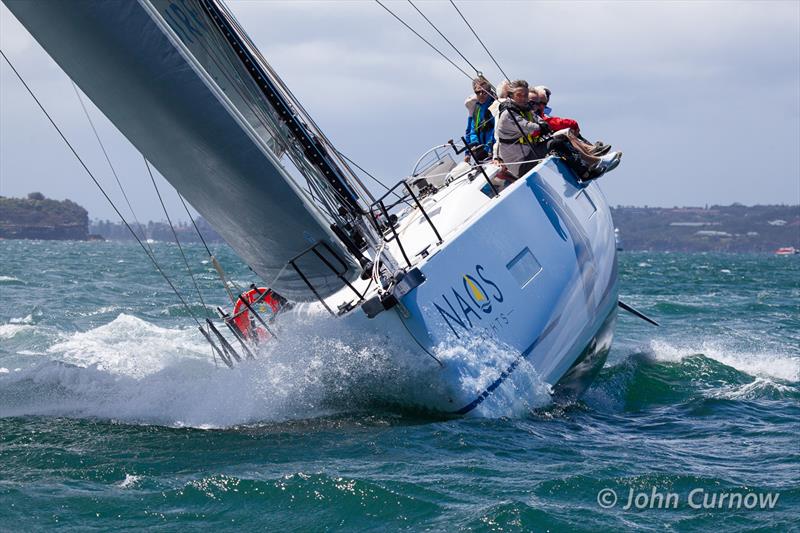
(586,160)
(539,97)
(518,132)
(480,124)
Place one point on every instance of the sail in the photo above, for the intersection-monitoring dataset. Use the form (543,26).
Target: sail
(171,84)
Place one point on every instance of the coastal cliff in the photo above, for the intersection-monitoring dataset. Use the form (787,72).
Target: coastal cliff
(37,217)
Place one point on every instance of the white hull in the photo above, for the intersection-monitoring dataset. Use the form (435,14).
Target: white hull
(529,279)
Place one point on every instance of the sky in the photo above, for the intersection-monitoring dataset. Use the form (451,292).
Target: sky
(703,98)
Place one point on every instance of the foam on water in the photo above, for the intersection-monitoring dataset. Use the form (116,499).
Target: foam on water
(674,371)
(766,365)
(27,319)
(129,346)
(759,388)
(129,481)
(185,393)
(476,363)
(102,310)
(132,370)
(9,331)
(135,371)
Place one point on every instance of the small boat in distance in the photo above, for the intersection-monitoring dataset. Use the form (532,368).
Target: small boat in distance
(787,250)
(522,277)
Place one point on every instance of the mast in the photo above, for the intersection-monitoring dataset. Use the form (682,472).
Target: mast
(338,189)
(310,144)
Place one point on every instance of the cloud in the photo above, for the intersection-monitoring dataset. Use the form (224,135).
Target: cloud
(16,40)
(703,97)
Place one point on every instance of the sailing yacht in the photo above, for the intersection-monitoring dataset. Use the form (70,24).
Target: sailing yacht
(523,277)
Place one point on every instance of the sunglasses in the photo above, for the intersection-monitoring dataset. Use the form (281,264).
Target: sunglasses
(481,93)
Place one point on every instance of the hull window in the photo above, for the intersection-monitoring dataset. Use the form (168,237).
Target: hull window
(524,267)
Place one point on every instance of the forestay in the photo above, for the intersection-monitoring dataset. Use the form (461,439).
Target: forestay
(170,83)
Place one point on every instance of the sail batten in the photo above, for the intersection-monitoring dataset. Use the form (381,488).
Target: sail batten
(163,76)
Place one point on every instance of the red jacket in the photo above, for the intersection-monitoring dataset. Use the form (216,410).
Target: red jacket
(558,123)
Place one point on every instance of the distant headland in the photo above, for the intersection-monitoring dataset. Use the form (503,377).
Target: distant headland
(716,228)
(37,217)
(732,228)
(40,218)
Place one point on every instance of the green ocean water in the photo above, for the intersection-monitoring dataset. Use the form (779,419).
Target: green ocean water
(114,416)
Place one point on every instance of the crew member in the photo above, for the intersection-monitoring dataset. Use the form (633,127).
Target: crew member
(480,124)
(518,134)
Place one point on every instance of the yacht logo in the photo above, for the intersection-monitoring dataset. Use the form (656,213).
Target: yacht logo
(470,302)
(475,291)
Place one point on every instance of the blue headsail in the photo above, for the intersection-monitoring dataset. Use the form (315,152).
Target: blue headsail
(180,80)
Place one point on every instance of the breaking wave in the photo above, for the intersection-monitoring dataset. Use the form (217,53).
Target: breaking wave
(9,331)
(132,370)
(768,365)
(663,373)
(475,364)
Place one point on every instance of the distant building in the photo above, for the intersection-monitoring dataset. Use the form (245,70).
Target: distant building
(709,233)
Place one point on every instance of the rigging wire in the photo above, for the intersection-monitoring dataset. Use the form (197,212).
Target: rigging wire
(220,272)
(226,283)
(319,192)
(359,167)
(327,196)
(108,160)
(296,104)
(479,40)
(175,234)
(194,224)
(376,180)
(97,183)
(423,39)
(127,201)
(478,72)
(267,120)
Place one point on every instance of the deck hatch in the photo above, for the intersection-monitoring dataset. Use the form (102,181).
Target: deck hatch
(524,267)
